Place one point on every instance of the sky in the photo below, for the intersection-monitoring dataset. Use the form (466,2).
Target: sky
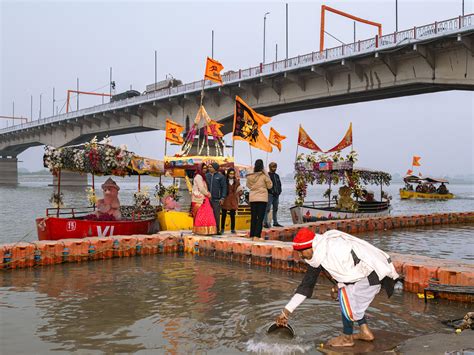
(46,45)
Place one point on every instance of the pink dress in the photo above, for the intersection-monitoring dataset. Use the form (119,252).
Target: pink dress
(204,221)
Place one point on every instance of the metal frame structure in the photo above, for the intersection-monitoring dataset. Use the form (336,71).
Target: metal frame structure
(325,8)
(84,93)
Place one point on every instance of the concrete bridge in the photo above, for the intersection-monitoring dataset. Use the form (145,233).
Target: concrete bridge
(430,58)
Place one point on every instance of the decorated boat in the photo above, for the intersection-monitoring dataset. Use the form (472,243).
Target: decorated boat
(204,139)
(417,187)
(354,199)
(103,217)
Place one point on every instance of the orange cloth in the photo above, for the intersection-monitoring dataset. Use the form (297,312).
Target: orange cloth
(416,161)
(304,140)
(345,142)
(248,126)
(213,70)
(275,138)
(173,132)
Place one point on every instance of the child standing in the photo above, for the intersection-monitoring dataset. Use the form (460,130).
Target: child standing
(231,202)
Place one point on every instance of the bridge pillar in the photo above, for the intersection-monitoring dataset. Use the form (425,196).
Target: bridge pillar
(70,179)
(8,170)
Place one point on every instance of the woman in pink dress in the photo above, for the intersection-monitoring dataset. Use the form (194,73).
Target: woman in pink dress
(204,222)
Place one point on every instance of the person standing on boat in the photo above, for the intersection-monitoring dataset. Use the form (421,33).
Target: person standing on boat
(217,186)
(360,270)
(231,201)
(204,222)
(259,183)
(273,196)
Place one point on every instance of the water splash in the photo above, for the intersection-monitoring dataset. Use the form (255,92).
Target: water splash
(262,347)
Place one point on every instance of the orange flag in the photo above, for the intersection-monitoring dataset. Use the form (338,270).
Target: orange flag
(213,128)
(173,132)
(416,161)
(213,70)
(409,172)
(345,142)
(275,138)
(248,126)
(304,140)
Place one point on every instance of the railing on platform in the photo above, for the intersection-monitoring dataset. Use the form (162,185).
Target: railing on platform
(363,206)
(436,29)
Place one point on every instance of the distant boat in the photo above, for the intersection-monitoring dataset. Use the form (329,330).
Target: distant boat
(425,189)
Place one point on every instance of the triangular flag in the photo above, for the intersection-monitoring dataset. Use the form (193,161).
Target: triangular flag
(248,126)
(275,138)
(416,161)
(173,132)
(304,140)
(409,172)
(345,142)
(213,70)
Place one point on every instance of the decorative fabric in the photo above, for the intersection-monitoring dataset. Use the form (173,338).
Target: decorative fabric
(204,221)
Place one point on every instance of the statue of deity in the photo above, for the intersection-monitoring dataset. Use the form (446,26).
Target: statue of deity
(110,204)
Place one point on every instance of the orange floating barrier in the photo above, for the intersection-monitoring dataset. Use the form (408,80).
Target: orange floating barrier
(148,243)
(48,252)
(18,255)
(75,250)
(456,274)
(223,249)
(207,246)
(242,251)
(261,254)
(282,257)
(126,245)
(418,271)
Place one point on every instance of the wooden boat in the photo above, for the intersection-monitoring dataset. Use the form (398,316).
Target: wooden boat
(420,191)
(65,223)
(329,172)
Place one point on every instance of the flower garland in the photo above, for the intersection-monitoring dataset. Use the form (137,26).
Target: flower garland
(91,196)
(99,158)
(332,169)
(56,200)
(161,191)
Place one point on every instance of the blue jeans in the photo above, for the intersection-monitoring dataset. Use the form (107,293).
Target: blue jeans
(272,202)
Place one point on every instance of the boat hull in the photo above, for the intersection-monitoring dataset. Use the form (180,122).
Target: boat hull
(305,214)
(405,194)
(174,220)
(53,228)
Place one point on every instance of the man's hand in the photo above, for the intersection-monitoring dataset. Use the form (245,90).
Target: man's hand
(221,202)
(282,319)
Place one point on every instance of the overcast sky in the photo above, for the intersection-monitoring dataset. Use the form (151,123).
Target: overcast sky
(50,44)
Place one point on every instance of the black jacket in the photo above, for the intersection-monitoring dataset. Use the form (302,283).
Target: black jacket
(217,185)
(276,188)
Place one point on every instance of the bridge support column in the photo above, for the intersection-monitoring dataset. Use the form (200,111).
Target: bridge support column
(70,179)
(8,170)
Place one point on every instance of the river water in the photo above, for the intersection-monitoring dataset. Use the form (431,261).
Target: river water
(20,205)
(181,304)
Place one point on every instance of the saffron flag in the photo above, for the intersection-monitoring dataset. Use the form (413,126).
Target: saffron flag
(213,128)
(345,142)
(248,126)
(275,138)
(173,132)
(304,140)
(416,161)
(213,70)
(409,172)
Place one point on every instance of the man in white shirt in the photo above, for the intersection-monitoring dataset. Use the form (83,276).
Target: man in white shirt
(360,270)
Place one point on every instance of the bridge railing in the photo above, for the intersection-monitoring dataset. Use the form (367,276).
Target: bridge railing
(329,54)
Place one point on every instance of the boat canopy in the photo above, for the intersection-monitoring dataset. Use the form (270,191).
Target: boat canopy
(100,159)
(413,179)
(177,166)
(328,171)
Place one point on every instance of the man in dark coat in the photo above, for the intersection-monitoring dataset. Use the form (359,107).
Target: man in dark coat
(217,186)
(273,196)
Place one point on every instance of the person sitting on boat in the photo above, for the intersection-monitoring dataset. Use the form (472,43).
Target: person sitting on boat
(431,188)
(360,270)
(204,222)
(368,196)
(442,189)
(110,204)
(408,187)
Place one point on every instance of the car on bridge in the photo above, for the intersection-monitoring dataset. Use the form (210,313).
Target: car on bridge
(124,95)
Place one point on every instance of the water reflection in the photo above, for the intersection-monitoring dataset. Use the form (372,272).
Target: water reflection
(179,304)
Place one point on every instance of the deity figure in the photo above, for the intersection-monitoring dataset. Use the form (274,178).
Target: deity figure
(110,204)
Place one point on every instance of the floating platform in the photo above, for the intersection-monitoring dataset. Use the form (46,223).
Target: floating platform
(275,252)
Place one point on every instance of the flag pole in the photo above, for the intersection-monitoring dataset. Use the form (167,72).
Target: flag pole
(251,159)
(297,143)
(266,160)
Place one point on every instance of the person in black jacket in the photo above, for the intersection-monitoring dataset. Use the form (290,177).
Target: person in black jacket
(217,186)
(273,196)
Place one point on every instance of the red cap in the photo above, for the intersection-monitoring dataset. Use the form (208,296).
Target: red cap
(303,239)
